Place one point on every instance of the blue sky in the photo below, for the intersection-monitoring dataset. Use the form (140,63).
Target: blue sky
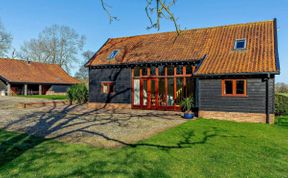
(24,19)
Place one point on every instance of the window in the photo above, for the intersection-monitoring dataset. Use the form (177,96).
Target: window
(188,69)
(136,71)
(228,87)
(144,71)
(113,54)
(240,85)
(170,70)
(152,70)
(234,87)
(179,70)
(240,44)
(161,70)
(136,92)
(170,92)
(107,87)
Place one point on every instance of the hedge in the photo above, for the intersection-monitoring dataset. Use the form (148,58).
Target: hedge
(78,93)
(281,104)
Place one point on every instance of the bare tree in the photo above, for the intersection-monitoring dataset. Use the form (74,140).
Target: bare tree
(281,87)
(155,11)
(82,73)
(5,41)
(54,45)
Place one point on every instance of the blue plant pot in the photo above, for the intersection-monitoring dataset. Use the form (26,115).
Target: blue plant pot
(188,115)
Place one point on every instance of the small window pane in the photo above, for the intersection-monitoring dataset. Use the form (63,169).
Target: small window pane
(189,69)
(136,92)
(113,54)
(161,70)
(240,87)
(179,90)
(179,70)
(170,70)
(153,70)
(144,71)
(161,92)
(240,44)
(145,92)
(137,71)
(111,88)
(189,87)
(228,87)
(105,88)
(170,96)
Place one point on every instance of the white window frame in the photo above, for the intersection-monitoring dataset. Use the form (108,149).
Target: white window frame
(237,40)
(109,57)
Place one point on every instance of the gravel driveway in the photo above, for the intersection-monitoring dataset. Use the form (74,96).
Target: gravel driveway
(78,124)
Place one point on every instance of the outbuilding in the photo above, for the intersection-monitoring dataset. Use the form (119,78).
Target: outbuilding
(23,77)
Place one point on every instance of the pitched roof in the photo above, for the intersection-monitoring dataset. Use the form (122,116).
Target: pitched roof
(34,72)
(217,43)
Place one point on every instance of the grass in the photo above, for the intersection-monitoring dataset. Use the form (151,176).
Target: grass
(201,148)
(51,97)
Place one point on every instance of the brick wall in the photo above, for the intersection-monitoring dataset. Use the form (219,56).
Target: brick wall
(237,116)
(94,105)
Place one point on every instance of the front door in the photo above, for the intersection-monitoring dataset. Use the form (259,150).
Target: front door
(150,93)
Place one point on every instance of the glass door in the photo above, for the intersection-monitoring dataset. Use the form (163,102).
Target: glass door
(149,93)
(153,94)
(145,93)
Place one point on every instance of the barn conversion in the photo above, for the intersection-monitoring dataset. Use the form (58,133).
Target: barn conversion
(22,77)
(228,70)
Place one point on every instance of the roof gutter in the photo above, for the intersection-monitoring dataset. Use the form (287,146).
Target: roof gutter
(193,61)
(233,74)
(40,83)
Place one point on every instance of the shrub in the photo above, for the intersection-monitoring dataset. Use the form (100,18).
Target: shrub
(187,104)
(78,93)
(281,104)
(282,121)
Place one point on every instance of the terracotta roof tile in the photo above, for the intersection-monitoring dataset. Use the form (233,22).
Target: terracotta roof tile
(217,43)
(33,72)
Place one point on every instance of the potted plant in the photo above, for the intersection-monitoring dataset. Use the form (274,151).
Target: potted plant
(187,104)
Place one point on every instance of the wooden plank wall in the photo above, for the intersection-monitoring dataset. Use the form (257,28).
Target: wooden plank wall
(122,79)
(211,99)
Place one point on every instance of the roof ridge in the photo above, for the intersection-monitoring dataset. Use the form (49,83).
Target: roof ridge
(194,29)
(25,61)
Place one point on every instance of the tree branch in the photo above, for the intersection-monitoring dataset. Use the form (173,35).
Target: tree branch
(161,9)
(105,8)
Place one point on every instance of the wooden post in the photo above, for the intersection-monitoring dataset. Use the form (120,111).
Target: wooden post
(9,89)
(40,89)
(25,89)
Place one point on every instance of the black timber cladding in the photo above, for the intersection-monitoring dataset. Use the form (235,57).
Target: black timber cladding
(211,99)
(122,79)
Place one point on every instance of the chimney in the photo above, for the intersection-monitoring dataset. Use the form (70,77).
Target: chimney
(28,61)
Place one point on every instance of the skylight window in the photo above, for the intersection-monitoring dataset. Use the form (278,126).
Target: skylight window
(113,54)
(240,44)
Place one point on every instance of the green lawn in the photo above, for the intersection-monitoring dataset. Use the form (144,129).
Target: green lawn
(201,148)
(51,97)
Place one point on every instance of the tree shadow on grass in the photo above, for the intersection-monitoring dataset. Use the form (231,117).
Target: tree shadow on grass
(56,120)
(15,145)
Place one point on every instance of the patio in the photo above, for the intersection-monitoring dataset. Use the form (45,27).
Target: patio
(78,124)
